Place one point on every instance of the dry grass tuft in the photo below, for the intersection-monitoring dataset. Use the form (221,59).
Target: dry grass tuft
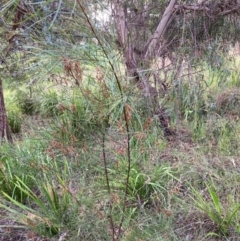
(228,102)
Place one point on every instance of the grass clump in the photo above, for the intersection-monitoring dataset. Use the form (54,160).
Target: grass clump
(15,120)
(141,185)
(11,178)
(227,102)
(225,216)
(29,105)
(14,112)
(48,104)
(38,192)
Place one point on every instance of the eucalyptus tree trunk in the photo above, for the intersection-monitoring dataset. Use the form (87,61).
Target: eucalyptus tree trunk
(4,127)
(138,59)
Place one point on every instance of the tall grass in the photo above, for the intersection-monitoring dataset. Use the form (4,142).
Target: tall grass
(99,168)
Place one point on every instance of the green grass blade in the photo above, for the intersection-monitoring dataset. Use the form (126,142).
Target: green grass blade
(237,207)
(15,202)
(215,199)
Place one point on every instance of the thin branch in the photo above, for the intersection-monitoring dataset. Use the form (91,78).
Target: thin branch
(182,7)
(236,8)
(101,45)
(56,14)
(214,10)
(155,40)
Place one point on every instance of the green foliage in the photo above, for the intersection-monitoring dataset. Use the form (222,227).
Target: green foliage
(14,120)
(55,204)
(225,216)
(47,219)
(74,118)
(141,185)
(220,133)
(49,104)
(12,174)
(189,99)
(29,106)
(14,112)
(50,182)
(224,133)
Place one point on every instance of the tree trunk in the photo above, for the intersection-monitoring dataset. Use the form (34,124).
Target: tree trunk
(4,127)
(138,62)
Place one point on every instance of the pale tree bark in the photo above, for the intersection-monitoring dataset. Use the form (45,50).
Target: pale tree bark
(154,43)
(4,127)
(119,13)
(139,61)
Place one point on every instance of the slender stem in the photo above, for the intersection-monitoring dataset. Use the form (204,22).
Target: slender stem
(101,45)
(128,173)
(126,124)
(108,184)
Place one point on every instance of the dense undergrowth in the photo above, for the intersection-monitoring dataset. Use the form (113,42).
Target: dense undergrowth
(90,163)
